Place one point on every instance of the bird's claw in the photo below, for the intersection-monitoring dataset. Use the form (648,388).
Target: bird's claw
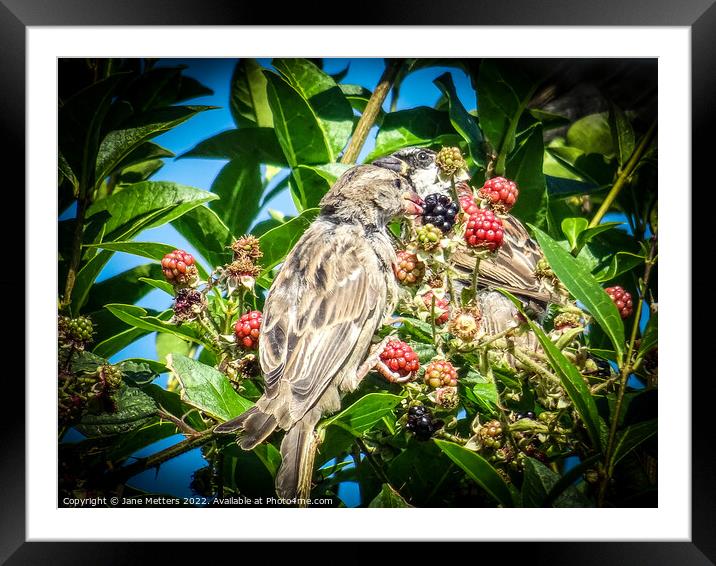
(392,376)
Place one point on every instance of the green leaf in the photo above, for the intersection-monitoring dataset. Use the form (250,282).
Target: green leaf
(248,101)
(148,196)
(204,230)
(259,144)
(650,338)
(148,151)
(570,378)
(592,134)
(326,101)
(622,133)
(206,388)
(170,344)
(140,372)
(479,470)
(592,168)
(118,144)
(631,438)
(540,481)
(462,121)
(80,119)
(588,233)
(277,242)
(151,250)
(388,497)
(239,187)
(110,346)
(524,167)
(134,409)
(549,120)
(504,88)
(572,228)
(122,288)
(162,285)
(420,126)
(619,263)
(90,271)
(485,392)
(364,413)
(585,288)
(138,317)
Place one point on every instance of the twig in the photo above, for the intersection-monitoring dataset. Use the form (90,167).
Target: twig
(623,177)
(373,464)
(626,370)
(370,113)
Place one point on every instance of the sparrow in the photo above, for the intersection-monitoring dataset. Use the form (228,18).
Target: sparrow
(332,293)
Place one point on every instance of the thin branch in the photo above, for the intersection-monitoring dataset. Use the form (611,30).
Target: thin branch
(371,111)
(624,175)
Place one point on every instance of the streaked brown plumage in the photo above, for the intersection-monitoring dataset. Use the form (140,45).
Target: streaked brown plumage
(332,293)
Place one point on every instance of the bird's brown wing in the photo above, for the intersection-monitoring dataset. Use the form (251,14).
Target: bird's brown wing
(329,288)
(512,267)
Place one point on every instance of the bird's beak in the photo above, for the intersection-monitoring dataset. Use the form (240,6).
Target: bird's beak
(393,163)
(412,203)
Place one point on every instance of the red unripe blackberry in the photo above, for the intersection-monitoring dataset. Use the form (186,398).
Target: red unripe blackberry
(179,267)
(500,192)
(440,373)
(484,230)
(247,330)
(467,198)
(622,299)
(442,307)
(409,270)
(400,358)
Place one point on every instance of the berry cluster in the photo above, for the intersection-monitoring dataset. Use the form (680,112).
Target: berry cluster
(440,211)
(500,192)
(442,307)
(421,422)
(400,358)
(409,270)
(429,237)
(179,267)
(622,299)
(566,320)
(75,332)
(447,398)
(528,415)
(465,324)
(491,434)
(440,373)
(247,330)
(188,304)
(449,160)
(484,230)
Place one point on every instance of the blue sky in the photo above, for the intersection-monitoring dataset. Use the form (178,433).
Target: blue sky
(418,89)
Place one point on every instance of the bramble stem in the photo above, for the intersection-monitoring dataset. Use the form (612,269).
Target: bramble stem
(625,371)
(624,176)
(371,111)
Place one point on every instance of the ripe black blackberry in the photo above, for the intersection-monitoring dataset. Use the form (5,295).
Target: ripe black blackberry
(440,211)
(421,422)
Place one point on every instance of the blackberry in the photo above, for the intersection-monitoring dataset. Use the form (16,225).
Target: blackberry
(440,211)
(421,423)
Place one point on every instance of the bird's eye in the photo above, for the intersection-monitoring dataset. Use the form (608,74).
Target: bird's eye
(423,157)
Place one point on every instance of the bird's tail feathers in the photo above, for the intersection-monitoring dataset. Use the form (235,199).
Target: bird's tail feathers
(253,427)
(297,452)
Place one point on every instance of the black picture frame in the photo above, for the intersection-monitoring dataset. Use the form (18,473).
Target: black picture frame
(17,15)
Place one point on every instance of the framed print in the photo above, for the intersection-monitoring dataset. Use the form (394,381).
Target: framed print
(412,265)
